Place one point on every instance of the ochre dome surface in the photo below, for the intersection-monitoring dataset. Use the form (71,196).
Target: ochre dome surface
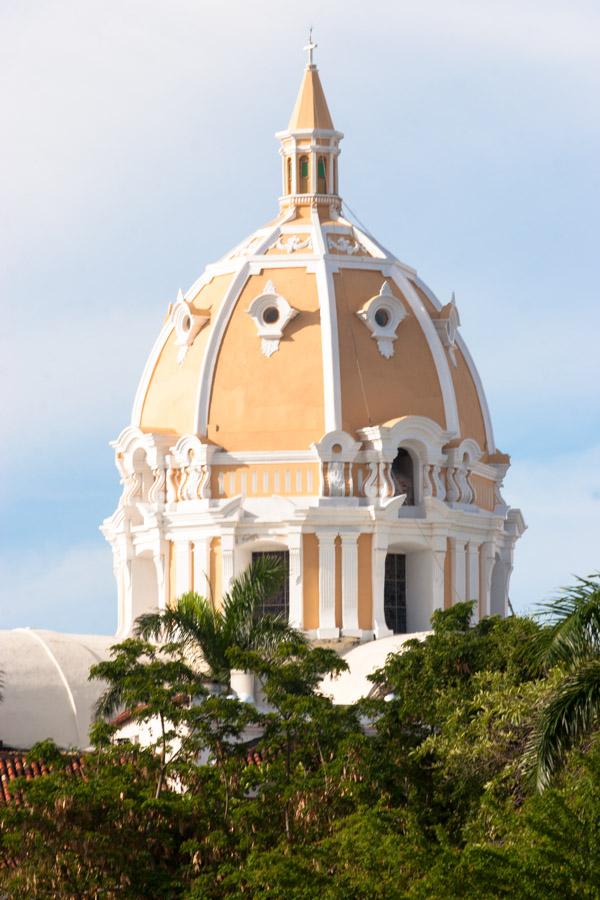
(328,371)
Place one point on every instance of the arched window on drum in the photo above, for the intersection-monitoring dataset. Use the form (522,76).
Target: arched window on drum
(403,476)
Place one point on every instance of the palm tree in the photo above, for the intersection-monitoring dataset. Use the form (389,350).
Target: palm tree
(572,643)
(207,632)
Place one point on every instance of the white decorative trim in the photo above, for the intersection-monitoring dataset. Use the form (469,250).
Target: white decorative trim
(292,244)
(251,457)
(437,351)
(345,246)
(487,419)
(213,345)
(447,328)
(329,334)
(392,309)
(270,333)
(187,325)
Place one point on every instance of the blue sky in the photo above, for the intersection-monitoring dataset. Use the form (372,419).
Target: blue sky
(138,146)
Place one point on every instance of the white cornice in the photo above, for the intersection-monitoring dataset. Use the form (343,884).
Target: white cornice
(252,457)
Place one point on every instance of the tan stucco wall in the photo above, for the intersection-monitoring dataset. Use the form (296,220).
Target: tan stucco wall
(365,587)
(310,580)
(273,470)
(484,492)
(375,389)
(274,403)
(470,415)
(172,394)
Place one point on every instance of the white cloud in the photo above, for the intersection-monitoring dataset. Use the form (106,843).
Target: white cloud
(560,499)
(69,590)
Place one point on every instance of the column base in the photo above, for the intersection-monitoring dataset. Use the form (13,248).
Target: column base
(328,634)
(382,631)
(356,632)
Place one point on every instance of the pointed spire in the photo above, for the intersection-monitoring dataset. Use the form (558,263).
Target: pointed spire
(311,110)
(310,144)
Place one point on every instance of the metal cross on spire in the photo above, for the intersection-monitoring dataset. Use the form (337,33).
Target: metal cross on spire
(310,47)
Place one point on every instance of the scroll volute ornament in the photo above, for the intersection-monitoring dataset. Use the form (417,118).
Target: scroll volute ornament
(382,315)
(187,324)
(271,314)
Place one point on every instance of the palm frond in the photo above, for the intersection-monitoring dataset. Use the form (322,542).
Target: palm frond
(249,590)
(570,714)
(270,632)
(574,624)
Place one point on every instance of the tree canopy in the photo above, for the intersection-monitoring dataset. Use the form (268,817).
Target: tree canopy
(430,788)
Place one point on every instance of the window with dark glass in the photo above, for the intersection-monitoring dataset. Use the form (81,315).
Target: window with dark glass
(279,603)
(394,592)
(321,176)
(303,166)
(403,476)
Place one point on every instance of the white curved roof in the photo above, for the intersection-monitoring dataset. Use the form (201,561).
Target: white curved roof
(46,692)
(350,686)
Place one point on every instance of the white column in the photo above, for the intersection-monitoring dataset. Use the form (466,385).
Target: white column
(296,617)
(312,157)
(182,568)
(160,559)
(227,560)
(327,627)
(294,156)
(438,578)
(472,589)
(379,553)
(488,555)
(201,563)
(350,585)
(459,570)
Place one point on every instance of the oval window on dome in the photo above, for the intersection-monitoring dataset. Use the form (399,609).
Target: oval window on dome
(382,317)
(270,315)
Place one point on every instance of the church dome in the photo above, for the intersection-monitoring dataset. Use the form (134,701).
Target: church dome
(308,326)
(310,396)
(45,691)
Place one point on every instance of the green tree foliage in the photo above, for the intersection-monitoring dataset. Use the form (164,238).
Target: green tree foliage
(572,643)
(422,791)
(207,631)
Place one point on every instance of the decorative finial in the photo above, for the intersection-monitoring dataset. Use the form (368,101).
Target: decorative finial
(309,48)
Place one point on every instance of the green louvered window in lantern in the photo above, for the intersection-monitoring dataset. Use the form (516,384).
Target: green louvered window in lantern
(321,176)
(304,174)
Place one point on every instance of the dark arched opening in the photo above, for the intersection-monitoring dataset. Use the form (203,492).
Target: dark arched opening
(403,476)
